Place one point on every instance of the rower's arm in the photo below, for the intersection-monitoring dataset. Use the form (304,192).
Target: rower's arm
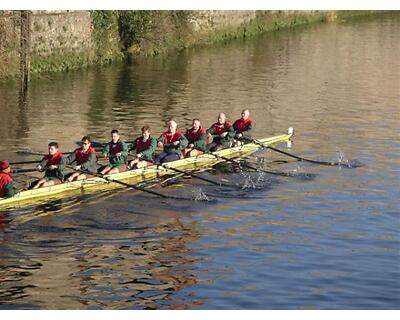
(231,132)
(149,152)
(10,190)
(106,149)
(124,149)
(247,132)
(71,158)
(132,146)
(90,163)
(201,142)
(160,139)
(210,130)
(62,164)
(42,164)
(183,142)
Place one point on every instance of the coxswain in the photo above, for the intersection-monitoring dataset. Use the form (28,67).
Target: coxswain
(53,164)
(222,134)
(242,128)
(144,146)
(117,152)
(84,160)
(173,142)
(7,188)
(197,140)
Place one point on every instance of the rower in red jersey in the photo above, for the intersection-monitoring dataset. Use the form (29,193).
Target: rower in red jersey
(117,152)
(242,128)
(173,142)
(144,146)
(222,134)
(85,160)
(53,164)
(197,138)
(7,188)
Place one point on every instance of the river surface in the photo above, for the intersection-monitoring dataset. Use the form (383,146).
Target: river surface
(329,243)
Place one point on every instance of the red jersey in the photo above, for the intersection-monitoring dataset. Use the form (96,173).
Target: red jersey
(115,147)
(193,136)
(241,125)
(5,179)
(220,128)
(82,156)
(140,145)
(53,159)
(169,138)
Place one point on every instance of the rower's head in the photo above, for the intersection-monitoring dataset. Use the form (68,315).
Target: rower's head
(114,135)
(86,141)
(172,125)
(53,148)
(146,132)
(245,114)
(221,118)
(196,124)
(5,166)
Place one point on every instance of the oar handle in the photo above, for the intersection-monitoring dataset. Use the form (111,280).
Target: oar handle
(24,170)
(24,162)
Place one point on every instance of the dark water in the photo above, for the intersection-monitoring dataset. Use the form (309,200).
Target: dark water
(329,243)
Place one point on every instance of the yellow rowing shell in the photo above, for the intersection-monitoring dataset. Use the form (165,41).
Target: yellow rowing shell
(30,197)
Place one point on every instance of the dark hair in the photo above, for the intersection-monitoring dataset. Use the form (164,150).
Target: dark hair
(114,131)
(86,138)
(196,119)
(53,144)
(145,128)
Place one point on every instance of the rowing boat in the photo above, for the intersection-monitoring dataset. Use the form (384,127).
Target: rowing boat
(66,189)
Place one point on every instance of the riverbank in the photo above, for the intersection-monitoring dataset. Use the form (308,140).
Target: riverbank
(61,41)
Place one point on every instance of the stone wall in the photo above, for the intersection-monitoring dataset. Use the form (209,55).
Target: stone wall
(60,32)
(62,40)
(9,44)
(219,19)
(59,40)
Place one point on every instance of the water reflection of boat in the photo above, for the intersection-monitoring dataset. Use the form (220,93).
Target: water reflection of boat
(135,271)
(134,176)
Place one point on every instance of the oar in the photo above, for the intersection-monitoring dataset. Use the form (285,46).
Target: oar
(25,162)
(98,145)
(129,185)
(197,176)
(277,173)
(24,170)
(324,163)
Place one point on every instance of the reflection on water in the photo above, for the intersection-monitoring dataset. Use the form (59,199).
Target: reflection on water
(323,241)
(133,265)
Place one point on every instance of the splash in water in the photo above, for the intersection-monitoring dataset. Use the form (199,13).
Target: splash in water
(248,181)
(341,159)
(199,195)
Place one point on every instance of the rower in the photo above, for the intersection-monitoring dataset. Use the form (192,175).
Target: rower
(197,138)
(117,152)
(85,159)
(53,164)
(172,141)
(144,146)
(222,134)
(242,128)
(7,188)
